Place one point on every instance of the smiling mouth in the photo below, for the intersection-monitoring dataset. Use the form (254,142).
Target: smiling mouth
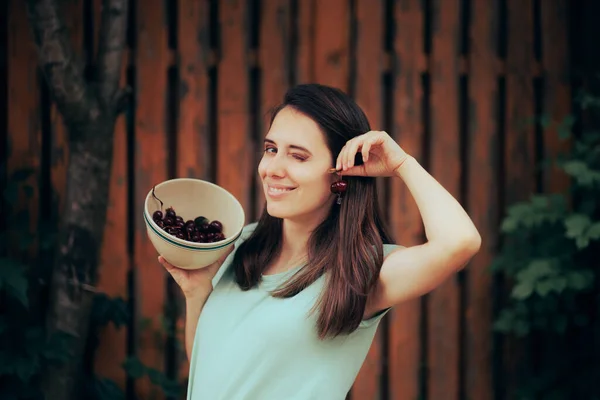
(275,191)
(280,190)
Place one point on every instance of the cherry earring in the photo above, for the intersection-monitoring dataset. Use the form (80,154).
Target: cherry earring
(339,188)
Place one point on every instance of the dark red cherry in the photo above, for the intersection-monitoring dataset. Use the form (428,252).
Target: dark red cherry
(157,216)
(216,226)
(218,236)
(205,228)
(180,235)
(160,223)
(171,213)
(169,221)
(202,237)
(339,187)
(178,218)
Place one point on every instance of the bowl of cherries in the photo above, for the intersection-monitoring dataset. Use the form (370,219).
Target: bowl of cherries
(192,222)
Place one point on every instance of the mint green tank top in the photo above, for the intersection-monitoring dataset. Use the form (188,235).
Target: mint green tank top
(252,346)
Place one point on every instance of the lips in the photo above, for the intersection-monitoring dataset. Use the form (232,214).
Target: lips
(279,190)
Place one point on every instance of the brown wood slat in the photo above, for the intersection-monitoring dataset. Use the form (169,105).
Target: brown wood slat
(274,42)
(404,338)
(194,158)
(23,128)
(234,146)
(556,102)
(519,157)
(305,69)
(483,144)
(115,257)
(368,95)
(443,303)
(331,43)
(150,169)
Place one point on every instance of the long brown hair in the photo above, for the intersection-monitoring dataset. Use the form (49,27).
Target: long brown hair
(347,245)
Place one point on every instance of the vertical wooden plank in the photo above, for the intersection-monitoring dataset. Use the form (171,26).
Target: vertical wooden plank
(23,136)
(305,68)
(369,96)
(115,256)
(274,62)
(557,96)
(332,43)
(193,136)
(3,108)
(408,130)
(443,305)
(233,126)
(482,204)
(519,157)
(150,169)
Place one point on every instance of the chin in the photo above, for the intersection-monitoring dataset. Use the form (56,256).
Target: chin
(276,211)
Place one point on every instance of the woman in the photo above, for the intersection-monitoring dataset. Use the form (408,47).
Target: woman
(295,308)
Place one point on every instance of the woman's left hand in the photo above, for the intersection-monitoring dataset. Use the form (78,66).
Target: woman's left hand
(380,153)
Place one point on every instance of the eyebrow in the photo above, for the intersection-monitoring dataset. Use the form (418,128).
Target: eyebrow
(292,146)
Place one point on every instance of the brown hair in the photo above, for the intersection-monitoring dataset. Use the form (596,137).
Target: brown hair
(347,245)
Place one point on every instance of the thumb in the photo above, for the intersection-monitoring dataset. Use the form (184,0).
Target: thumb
(215,266)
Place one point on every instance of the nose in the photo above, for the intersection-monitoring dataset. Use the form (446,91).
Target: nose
(275,166)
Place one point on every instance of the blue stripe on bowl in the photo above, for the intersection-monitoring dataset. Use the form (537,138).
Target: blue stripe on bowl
(187,247)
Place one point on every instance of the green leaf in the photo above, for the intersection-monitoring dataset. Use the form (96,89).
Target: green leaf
(581,172)
(544,287)
(593,231)
(155,376)
(576,225)
(134,368)
(522,290)
(579,280)
(565,127)
(582,242)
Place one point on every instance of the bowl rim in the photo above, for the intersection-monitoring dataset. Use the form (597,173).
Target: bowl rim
(184,243)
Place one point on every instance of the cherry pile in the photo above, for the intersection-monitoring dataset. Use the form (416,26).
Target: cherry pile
(199,230)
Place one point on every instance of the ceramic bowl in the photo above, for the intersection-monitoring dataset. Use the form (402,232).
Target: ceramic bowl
(191,198)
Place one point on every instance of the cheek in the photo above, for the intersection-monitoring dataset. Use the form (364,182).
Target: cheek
(315,183)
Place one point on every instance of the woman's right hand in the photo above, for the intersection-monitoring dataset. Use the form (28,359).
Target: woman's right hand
(196,282)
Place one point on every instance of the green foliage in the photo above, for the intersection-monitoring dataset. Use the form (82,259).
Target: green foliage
(26,349)
(550,254)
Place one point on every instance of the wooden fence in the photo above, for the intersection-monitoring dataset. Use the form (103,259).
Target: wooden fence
(452,80)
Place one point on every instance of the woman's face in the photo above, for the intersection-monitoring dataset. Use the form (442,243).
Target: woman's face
(294,168)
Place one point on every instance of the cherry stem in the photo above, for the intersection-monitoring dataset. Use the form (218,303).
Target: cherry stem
(154,195)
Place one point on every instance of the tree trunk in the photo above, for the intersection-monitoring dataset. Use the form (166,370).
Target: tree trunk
(75,271)
(89,112)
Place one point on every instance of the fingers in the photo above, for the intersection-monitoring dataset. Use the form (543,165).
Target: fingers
(366,147)
(353,146)
(165,263)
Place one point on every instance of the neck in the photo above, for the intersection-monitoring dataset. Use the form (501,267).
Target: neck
(296,233)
